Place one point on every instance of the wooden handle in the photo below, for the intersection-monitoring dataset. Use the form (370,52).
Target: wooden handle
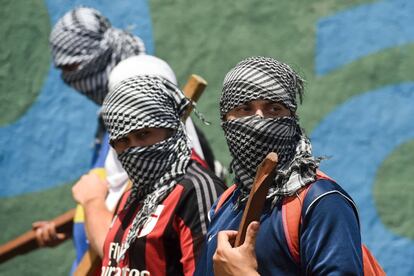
(27,242)
(193,90)
(88,265)
(265,174)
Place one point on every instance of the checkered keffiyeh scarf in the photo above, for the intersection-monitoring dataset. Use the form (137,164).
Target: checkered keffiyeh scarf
(251,138)
(144,102)
(260,78)
(85,38)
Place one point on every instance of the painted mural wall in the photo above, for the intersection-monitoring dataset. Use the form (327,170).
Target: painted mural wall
(356,56)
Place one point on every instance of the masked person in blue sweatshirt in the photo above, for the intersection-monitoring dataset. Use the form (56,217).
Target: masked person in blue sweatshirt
(258,111)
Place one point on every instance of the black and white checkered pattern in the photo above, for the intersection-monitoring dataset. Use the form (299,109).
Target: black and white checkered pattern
(251,138)
(260,78)
(140,102)
(143,101)
(256,136)
(85,38)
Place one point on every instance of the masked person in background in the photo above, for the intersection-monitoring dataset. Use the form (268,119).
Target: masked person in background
(85,47)
(161,222)
(258,111)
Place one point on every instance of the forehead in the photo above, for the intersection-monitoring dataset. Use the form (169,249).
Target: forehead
(262,102)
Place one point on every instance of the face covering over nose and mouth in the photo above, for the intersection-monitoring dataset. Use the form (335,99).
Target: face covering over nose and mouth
(148,102)
(84,38)
(251,138)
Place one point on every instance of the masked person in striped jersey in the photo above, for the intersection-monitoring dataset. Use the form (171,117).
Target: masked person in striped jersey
(258,111)
(90,191)
(161,222)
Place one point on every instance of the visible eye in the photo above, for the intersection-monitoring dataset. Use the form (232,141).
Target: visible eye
(275,108)
(122,140)
(142,134)
(243,108)
(120,144)
(240,111)
(69,67)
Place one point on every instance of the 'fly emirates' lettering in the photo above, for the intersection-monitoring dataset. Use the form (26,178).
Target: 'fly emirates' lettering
(114,251)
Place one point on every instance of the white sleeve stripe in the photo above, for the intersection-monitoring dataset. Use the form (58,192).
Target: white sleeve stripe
(196,181)
(327,193)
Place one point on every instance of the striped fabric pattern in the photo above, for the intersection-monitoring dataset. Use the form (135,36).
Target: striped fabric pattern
(260,78)
(251,138)
(140,102)
(173,245)
(84,39)
(148,102)
(206,193)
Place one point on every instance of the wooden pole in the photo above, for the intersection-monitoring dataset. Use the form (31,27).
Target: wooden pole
(265,174)
(27,242)
(193,90)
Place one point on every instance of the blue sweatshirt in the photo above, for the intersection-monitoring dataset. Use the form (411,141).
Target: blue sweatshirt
(330,240)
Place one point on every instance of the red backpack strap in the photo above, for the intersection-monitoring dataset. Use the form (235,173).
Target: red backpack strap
(371,265)
(291,218)
(224,196)
(322,175)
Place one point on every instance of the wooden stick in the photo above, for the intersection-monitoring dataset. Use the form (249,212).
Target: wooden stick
(27,242)
(265,174)
(89,264)
(192,90)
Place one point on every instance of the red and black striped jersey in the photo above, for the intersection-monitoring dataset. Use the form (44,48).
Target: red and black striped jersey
(171,240)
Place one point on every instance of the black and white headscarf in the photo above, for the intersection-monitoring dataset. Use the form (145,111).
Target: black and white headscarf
(144,102)
(251,138)
(84,38)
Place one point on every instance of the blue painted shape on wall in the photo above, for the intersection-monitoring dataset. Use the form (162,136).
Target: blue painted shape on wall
(359,135)
(52,143)
(363,30)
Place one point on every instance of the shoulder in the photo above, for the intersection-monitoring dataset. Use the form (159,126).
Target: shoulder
(197,177)
(329,191)
(199,186)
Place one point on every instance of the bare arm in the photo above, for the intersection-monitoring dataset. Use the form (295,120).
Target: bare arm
(90,191)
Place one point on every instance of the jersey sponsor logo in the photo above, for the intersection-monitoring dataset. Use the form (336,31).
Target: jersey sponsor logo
(151,222)
(124,271)
(114,250)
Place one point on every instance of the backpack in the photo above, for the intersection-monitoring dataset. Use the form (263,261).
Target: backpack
(291,219)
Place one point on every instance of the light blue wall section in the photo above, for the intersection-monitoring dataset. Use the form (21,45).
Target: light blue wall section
(367,128)
(361,133)
(363,30)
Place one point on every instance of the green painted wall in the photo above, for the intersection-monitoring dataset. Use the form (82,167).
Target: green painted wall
(207,38)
